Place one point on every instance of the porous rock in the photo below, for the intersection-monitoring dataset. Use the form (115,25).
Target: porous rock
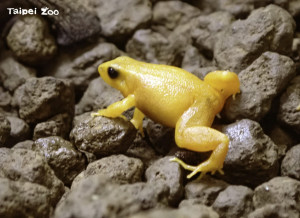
(205,190)
(4,130)
(41,98)
(196,211)
(97,196)
(117,168)
(252,156)
(61,156)
(103,136)
(20,131)
(81,65)
(275,210)
(290,165)
(261,82)
(31,41)
(5,100)
(266,29)
(28,166)
(98,95)
(277,191)
(234,201)
(75,21)
(24,199)
(169,173)
(289,113)
(119,19)
(59,125)
(13,74)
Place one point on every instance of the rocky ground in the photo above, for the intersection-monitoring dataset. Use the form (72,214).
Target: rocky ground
(57,161)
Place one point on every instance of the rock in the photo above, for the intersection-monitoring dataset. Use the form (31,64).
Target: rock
(74,22)
(61,156)
(168,15)
(13,74)
(28,166)
(208,28)
(30,40)
(97,196)
(119,19)
(288,114)
(24,199)
(290,165)
(205,191)
(266,29)
(252,156)
(275,210)
(294,8)
(4,130)
(80,65)
(234,201)
(27,144)
(97,96)
(5,99)
(42,98)
(168,173)
(20,131)
(277,191)
(83,118)
(193,60)
(197,211)
(261,82)
(117,168)
(59,125)
(103,136)
(161,137)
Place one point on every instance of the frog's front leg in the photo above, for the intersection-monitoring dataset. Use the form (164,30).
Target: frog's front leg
(137,120)
(117,108)
(193,134)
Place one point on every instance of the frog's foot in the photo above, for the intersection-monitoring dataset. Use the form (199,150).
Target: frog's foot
(207,166)
(106,113)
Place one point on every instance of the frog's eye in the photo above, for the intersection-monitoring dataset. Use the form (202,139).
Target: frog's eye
(112,73)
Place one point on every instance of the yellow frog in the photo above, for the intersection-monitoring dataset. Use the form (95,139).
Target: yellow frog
(174,98)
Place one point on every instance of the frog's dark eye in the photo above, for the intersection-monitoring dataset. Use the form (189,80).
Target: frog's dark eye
(112,73)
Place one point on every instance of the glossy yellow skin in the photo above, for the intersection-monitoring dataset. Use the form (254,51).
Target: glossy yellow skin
(175,98)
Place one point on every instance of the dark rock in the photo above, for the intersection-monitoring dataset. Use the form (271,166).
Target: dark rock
(261,82)
(74,22)
(234,201)
(5,99)
(252,156)
(97,96)
(81,65)
(161,137)
(275,210)
(61,156)
(28,166)
(41,98)
(204,191)
(266,29)
(208,28)
(119,19)
(83,118)
(30,40)
(13,74)
(197,211)
(290,165)
(4,130)
(277,191)
(103,136)
(288,113)
(20,131)
(168,15)
(24,199)
(59,125)
(169,173)
(96,196)
(117,168)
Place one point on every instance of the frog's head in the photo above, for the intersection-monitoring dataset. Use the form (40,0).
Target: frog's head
(226,82)
(113,73)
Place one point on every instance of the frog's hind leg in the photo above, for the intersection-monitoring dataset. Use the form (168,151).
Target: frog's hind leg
(193,134)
